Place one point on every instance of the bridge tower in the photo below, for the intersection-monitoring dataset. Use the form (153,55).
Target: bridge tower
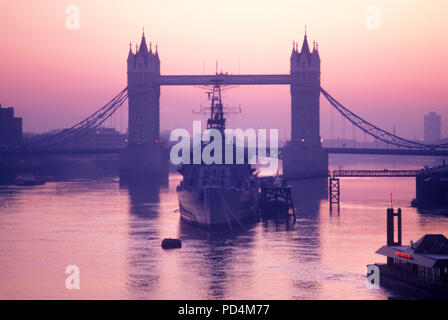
(304,155)
(144,153)
(143,95)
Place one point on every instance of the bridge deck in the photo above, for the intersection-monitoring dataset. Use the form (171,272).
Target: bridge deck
(224,79)
(60,151)
(402,152)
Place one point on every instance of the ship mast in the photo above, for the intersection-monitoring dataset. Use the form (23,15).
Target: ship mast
(216,110)
(216,120)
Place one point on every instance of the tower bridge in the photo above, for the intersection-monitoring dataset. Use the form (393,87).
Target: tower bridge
(144,153)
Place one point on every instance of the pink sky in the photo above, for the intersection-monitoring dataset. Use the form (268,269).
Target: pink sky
(394,75)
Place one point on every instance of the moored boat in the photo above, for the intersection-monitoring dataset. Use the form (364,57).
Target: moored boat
(420,267)
(28,180)
(217,195)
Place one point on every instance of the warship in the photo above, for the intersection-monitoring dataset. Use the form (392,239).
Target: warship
(214,196)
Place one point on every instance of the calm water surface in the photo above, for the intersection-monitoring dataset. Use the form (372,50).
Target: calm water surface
(113,235)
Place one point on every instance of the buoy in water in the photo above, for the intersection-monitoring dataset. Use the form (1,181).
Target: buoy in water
(171,243)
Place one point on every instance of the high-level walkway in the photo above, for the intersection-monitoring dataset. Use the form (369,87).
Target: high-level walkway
(223,79)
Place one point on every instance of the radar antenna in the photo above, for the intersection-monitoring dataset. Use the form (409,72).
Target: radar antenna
(216,109)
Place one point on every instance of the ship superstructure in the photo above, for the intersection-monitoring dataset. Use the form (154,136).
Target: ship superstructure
(217,195)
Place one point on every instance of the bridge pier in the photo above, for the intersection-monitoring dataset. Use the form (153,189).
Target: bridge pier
(304,161)
(143,162)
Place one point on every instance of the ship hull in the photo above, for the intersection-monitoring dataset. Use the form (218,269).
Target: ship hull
(217,207)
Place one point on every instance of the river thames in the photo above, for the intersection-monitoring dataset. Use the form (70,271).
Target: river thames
(113,234)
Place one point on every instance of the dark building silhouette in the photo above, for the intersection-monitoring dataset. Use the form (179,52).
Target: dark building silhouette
(433,124)
(10,127)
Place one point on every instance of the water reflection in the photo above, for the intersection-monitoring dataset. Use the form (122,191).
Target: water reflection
(307,195)
(114,234)
(302,240)
(8,195)
(144,209)
(217,257)
(144,198)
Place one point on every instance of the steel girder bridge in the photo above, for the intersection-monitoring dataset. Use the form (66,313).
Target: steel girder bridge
(374,173)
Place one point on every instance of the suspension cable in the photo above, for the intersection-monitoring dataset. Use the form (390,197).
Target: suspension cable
(84,126)
(375,131)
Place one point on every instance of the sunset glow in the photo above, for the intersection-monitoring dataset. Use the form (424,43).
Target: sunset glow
(54,76)
(225,150)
